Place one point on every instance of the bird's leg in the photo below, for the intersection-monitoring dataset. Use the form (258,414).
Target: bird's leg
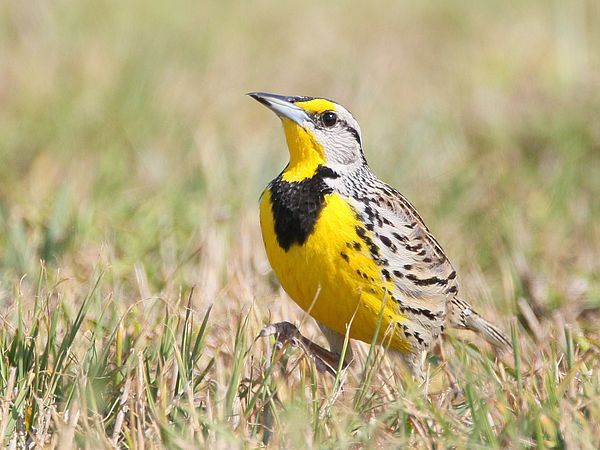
(286,332)
(336,343)
(415,361)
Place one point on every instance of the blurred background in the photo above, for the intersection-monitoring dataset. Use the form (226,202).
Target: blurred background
(127,141)
(128,148)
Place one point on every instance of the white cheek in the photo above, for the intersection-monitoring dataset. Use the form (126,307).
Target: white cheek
(340,149)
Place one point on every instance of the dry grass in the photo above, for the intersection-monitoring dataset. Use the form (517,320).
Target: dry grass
(131,168)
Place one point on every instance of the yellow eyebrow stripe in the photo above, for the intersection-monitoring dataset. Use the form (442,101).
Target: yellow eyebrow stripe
(316,106)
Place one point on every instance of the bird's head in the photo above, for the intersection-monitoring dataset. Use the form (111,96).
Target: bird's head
(319,132)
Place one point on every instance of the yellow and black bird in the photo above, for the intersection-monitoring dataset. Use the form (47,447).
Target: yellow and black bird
(346,246)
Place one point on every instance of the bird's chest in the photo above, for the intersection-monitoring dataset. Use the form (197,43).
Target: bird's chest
(295,208)
(312,244)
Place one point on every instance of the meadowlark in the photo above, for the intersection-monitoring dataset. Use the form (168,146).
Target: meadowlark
(348,248)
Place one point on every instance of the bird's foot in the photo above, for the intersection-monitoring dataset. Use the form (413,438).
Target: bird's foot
(288,333)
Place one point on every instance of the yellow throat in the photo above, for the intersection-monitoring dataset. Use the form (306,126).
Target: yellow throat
(306,154)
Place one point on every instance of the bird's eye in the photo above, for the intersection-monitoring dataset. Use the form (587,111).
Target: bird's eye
(329,118)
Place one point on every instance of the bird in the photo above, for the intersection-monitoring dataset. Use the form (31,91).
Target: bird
(350,249)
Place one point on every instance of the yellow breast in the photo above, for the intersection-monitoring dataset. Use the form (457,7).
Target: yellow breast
(332,274)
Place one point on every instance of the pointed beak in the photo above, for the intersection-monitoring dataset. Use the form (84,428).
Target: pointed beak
(281,105)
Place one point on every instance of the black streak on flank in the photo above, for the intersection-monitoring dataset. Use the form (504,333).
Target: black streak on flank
(360,231)
(399,237)
(373,249)
(296,206)
(452,290)
(386,240)
(427,281)
(425,312)
(354,133)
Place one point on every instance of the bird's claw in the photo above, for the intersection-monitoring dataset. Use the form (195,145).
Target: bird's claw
(284,332)
(288,333)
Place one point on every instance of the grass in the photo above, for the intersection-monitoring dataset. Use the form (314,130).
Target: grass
(133,282)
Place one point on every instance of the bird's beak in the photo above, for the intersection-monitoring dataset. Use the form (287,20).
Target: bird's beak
(281,105)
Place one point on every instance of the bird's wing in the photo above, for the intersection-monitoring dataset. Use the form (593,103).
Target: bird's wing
(410,257)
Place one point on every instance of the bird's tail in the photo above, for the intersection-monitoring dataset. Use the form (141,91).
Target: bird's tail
(462,315)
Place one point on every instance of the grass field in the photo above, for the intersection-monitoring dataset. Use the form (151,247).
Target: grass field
(133,279)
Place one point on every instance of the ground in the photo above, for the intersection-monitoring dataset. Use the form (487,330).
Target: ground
(133,280)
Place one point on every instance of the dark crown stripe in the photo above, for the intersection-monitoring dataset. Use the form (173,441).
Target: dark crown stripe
(354,133)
